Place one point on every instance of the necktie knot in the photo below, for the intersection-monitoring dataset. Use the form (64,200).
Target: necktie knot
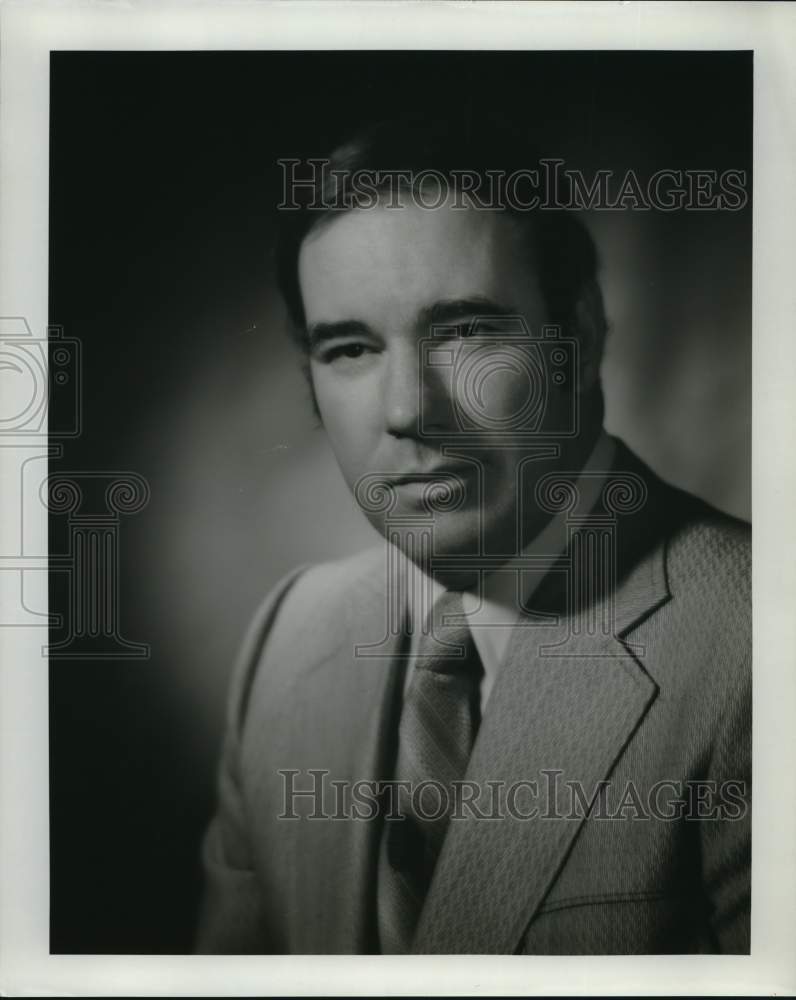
(446,644)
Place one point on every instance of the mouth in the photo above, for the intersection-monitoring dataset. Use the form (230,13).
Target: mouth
(439,488)
(450,475)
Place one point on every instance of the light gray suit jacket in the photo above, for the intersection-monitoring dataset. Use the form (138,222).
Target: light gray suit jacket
(661,702)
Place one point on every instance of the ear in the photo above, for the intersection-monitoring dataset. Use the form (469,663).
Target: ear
(589,327)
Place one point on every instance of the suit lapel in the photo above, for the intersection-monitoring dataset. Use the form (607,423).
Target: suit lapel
(564,705)
(350,734)
(550,721)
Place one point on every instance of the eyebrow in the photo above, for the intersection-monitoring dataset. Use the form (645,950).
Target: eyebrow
(438,314)
(317,333)
(448,310)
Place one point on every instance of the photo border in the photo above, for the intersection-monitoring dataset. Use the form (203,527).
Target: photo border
(28,35)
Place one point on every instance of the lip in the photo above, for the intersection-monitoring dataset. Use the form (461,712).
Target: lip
(445,473)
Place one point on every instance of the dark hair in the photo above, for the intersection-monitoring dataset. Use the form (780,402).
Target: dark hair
(563,252)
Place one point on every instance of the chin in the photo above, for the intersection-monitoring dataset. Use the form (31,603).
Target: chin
(449,546)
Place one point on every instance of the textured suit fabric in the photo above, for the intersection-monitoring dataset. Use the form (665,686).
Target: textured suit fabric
(661,703)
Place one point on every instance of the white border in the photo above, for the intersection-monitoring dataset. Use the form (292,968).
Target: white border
(27,33)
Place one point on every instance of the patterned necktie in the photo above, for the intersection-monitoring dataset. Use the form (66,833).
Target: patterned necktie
(440,717)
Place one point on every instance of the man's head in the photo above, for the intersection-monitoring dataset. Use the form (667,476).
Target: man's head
(384,295)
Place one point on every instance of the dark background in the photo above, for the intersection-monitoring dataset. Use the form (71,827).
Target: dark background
(162,201)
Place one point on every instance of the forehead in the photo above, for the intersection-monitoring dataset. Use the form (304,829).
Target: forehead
(386,259)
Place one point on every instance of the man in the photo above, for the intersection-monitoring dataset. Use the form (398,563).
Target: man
(520,724)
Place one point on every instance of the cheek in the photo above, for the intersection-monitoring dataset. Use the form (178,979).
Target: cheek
(351,417)
(497,390)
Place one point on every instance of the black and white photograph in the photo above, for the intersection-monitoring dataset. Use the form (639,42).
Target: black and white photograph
(516,716)
(391,423)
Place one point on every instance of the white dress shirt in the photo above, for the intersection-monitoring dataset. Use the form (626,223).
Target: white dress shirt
(492,614)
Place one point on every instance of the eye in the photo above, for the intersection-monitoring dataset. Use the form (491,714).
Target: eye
(480,329)
(470,328)
(352,351)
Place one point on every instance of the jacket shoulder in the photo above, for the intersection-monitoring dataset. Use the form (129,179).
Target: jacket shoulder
(329,583)
(710,551)
(708,570)
(705,558)
(301,621)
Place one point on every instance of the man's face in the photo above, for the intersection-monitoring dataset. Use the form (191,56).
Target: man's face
(373,282)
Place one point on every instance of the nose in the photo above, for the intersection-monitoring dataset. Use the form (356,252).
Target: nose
(402,389)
